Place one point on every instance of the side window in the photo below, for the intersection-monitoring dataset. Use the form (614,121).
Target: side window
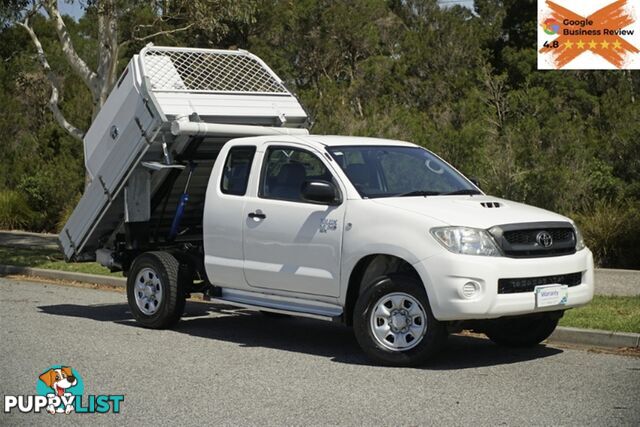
(235,175)
(286,169)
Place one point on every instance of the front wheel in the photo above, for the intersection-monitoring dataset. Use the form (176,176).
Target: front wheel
(155,290)
(525,331)
(393,322)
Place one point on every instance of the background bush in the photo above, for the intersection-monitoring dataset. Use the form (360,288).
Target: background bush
(611,231)
(15,212)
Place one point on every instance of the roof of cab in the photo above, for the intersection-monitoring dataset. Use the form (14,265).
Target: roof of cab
(325,140)
(336,140)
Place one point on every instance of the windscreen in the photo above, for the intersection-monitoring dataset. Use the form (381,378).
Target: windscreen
(396,171)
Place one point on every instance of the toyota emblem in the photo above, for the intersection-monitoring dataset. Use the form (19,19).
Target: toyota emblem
(544,239)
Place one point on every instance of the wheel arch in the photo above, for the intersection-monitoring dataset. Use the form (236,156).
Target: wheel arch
(368,268)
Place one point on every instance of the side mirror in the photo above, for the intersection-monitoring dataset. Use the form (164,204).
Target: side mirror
(322,192)
(475,181)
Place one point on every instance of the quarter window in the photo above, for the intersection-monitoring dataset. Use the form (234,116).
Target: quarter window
(235,175)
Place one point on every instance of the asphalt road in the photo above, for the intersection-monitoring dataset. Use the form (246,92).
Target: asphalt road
(229,366)
(28,240)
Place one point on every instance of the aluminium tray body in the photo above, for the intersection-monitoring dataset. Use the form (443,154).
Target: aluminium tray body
(159,86)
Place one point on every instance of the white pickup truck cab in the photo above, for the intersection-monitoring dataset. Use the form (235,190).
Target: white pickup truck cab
(377,234)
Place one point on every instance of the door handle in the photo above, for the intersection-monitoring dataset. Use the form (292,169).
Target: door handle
(257,214)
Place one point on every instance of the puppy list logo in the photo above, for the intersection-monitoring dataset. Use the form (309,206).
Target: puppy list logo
(60,390)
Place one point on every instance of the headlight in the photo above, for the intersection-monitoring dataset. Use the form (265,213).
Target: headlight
(467,241)
(579,239)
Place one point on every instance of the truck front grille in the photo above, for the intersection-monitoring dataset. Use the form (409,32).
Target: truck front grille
(529,236)
(522,240)
(528,284)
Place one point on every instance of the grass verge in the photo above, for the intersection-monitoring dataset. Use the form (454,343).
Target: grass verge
(611,313)
(50,259)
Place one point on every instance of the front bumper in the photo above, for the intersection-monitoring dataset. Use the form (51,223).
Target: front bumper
(445,274)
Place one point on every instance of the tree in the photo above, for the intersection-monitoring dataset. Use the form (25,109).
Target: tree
(162,18)
(98,81)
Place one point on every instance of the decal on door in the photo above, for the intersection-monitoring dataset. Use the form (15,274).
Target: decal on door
(328,224)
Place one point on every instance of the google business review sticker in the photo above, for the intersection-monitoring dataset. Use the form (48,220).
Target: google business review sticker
(588,35)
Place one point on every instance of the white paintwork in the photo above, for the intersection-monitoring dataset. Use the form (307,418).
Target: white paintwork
(223,228)
(467,210)
(285,254)
(287,251)
(444,273)
(185,127)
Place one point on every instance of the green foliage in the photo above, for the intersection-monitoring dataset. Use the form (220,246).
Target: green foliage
(611,231)
(609,313)
(49,188)
(67,210)
(15,212)
(461,83)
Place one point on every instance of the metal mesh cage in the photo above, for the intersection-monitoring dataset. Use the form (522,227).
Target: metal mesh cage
(182,70)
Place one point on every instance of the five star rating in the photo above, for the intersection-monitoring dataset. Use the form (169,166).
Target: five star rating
(593,44)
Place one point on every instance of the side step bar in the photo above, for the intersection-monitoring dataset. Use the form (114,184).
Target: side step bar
(278,304)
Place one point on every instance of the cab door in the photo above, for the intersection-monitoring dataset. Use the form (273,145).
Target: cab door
(290,244)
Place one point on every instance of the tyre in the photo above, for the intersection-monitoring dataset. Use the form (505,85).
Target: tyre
(525,331)
(156,290)
(393,322)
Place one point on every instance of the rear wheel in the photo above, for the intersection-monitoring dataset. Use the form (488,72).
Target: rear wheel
(156,290)
(393,322)
(525,331)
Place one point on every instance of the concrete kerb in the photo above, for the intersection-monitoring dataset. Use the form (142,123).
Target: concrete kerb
(595,337)
(63,275)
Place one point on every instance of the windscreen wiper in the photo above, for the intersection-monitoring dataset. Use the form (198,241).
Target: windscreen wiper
(466,191)
(418,193)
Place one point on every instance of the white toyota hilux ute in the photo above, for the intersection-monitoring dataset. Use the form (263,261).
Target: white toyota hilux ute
(385,236)
(204,179)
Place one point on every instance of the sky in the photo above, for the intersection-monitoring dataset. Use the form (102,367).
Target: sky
(448,3)
(73,9)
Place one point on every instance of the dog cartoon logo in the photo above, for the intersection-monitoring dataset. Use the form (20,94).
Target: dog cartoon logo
(65,383)
(60,390)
